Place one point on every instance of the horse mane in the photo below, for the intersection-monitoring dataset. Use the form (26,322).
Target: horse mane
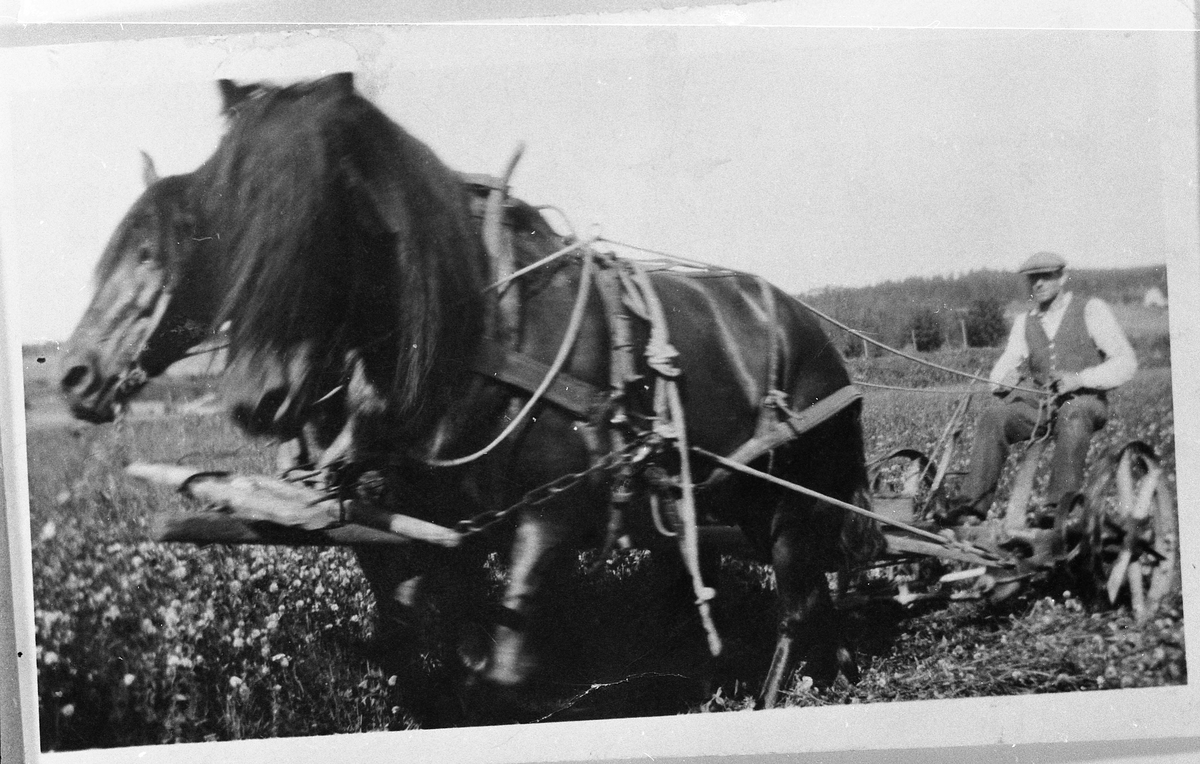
(341,232)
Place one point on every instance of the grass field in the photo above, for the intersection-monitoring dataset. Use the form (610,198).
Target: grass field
(142,643)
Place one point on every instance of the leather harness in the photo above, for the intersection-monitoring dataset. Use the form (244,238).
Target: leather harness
(624,290)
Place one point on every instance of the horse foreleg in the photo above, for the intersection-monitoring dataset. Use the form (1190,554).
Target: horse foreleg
(538,549)
(781,665)
(807,610)
(394,582)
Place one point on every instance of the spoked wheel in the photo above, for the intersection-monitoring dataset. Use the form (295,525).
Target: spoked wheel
(1127,532)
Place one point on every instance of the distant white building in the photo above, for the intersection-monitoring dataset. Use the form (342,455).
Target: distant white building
(1154,298)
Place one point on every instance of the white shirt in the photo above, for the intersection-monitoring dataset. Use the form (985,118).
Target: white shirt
(1119,364)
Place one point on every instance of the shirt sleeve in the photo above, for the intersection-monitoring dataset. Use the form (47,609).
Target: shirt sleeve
(1015,351)
(1120,363)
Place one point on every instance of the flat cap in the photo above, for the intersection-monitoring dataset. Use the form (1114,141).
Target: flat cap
(1042,262)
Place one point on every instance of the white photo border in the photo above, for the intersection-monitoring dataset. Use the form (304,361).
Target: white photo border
(1165,713)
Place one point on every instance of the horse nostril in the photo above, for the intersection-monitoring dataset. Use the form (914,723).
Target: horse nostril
(79,379)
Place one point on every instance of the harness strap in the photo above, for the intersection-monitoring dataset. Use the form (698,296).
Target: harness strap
(503,261)
(622,372)
(622,367)
(526,373)
(795,424)
(564,350)
(670,423)
(771,324)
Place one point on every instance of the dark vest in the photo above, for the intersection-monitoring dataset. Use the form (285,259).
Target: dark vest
(1071,350)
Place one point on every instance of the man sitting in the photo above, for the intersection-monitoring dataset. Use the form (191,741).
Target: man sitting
(1071,347)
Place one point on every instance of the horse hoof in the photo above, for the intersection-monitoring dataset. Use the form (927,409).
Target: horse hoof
(823,668)
(472,654)
(848,666)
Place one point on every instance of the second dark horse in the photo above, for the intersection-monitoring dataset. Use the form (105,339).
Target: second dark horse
(350,269)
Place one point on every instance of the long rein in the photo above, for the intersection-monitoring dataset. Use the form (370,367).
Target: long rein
(691,262)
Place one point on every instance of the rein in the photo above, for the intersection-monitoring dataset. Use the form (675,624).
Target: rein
(820,314)
(929,390)
(545,260)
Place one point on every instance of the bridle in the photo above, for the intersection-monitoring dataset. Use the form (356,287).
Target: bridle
(134,376)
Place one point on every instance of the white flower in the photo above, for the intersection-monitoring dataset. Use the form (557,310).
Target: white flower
(50,658)
(68,710)
(235,682)
(128,679)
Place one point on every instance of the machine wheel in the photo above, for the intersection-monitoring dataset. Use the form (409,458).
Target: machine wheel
(1125,532)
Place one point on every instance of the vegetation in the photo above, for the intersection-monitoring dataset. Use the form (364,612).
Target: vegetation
(141,643)
(926,330)
(985,326)
(886,311)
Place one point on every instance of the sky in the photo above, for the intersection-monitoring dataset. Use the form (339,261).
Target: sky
(812,156)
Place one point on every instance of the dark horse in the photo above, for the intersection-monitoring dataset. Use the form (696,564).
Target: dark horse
(348,265)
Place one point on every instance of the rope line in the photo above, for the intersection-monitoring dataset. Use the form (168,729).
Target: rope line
(854,332)
(933,390)
(548,258)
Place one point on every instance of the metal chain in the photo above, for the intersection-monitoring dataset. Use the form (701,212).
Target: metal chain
(636,451)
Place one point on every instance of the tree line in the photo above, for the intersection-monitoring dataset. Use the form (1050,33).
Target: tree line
(967,310)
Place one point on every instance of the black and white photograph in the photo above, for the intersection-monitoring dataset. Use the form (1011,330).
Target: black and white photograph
(622,390)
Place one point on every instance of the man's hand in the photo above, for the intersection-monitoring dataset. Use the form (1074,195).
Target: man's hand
(1067,383)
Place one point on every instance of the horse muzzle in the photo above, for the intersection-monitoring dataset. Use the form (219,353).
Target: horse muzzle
(94,396)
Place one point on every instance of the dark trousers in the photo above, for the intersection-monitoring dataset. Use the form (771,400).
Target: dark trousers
(1013,422)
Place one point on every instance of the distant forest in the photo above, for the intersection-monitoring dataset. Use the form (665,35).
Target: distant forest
(891,311)
(897,313)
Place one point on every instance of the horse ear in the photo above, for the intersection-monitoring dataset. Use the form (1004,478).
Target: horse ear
(150,175)
(342,82)
(232,94)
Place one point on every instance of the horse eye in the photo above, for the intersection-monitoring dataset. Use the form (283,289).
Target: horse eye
(145,254)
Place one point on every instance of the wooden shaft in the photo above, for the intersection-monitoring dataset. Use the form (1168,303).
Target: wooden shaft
(739,467)
(257,497)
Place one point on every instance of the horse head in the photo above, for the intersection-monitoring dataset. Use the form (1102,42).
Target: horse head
(151,305)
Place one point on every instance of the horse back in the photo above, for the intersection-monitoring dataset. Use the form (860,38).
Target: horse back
(741,340)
